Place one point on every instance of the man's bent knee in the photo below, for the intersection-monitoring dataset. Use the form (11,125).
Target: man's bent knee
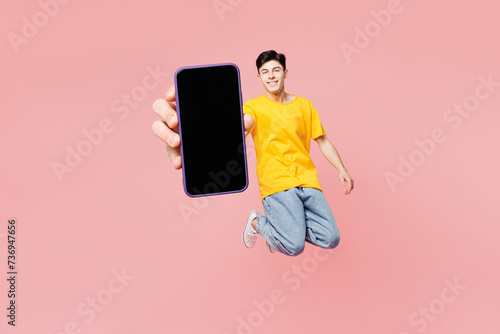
(332,241)
(294,250)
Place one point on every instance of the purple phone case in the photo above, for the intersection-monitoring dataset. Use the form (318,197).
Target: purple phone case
(242,128)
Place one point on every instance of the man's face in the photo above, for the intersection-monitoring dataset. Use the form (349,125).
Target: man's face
(272,76)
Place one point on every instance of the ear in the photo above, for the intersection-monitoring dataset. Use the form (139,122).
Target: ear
(286,73)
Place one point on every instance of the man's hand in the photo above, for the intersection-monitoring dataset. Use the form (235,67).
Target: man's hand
(345,177)
(167,128)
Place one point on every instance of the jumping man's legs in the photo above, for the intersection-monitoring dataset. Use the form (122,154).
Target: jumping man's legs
(297,215)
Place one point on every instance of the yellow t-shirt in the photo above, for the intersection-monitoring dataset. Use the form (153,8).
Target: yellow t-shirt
(282,135)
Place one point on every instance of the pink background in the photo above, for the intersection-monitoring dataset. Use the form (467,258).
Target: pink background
(120,209)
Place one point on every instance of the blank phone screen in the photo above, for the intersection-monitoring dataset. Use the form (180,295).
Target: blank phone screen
(211,128)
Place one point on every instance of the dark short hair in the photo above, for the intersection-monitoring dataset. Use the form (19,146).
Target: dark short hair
(266,56)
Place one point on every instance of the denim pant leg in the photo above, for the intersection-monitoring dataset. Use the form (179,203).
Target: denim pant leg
(283,225)
(321,227)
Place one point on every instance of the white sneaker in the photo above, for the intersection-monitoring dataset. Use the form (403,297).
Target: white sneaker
(249,234)
(270,249)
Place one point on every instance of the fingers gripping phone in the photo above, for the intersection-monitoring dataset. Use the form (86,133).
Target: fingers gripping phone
(209,109)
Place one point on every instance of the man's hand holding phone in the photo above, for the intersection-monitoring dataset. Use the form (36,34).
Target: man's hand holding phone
(203,125)
(167,128)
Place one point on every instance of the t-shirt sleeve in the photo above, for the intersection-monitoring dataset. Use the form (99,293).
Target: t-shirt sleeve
(249,111)
(316,127)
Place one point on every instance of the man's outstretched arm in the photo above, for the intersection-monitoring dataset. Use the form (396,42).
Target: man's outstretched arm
(332,155)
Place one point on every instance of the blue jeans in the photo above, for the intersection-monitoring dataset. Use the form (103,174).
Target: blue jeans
(295,216)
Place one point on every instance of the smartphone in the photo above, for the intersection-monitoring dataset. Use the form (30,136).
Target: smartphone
(211,128)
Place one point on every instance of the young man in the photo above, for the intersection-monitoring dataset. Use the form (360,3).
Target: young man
(295,208)
(282,126)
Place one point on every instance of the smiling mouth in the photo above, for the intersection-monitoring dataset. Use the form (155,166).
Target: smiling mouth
(272,83)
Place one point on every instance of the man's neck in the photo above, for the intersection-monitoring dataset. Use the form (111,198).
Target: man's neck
(281,97)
